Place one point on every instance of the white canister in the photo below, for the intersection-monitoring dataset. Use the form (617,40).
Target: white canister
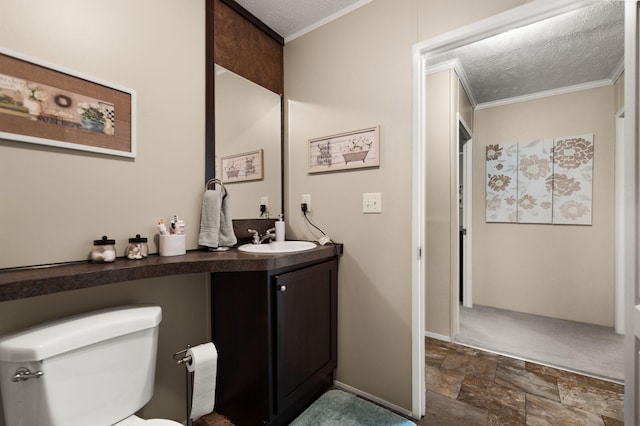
(172,244)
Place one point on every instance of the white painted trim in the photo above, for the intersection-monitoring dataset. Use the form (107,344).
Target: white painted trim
(372,398)
(619,258)
(443,66)
(513,18)
(617,72)
(467,269)
(418,263)
(546,93)
(632,237)
(326,20)
(437,336)
(456,65)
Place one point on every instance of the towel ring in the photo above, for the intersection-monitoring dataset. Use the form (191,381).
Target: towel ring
(216,181)
(213,182)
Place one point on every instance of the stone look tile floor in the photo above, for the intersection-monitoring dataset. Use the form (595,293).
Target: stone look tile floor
(467,386)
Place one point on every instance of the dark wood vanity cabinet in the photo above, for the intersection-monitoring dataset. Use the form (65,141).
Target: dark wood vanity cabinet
(275,332)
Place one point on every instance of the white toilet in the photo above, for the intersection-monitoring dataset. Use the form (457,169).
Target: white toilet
(93,369)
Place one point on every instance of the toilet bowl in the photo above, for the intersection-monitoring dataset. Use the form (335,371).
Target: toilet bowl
(92,369)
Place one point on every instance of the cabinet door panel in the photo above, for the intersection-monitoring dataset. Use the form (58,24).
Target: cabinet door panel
(305,332)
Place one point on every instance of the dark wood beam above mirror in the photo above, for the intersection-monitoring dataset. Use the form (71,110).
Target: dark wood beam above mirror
(243,44)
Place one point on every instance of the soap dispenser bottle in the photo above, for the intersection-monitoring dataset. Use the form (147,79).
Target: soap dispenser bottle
(280,228)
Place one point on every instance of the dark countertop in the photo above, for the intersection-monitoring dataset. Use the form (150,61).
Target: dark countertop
(39,280)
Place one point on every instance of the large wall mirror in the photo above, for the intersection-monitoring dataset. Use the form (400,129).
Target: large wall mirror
(248,119)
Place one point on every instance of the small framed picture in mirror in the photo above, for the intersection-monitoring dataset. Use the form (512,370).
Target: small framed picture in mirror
(242,167)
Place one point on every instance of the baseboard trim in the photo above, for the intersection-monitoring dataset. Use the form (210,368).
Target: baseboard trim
(437,336)
(372,398)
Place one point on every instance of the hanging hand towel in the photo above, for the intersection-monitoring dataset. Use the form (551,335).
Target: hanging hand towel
(216,228)
(227,237)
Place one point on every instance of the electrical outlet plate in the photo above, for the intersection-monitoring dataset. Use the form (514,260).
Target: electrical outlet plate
(265,202)
(372,202)
(306,199)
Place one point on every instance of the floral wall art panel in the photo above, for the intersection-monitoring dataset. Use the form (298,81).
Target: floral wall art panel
(535,181)
(502,183)
(573,180)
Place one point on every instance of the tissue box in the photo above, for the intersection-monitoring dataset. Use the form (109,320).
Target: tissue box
(172,245)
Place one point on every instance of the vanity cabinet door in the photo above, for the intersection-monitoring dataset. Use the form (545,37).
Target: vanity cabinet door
(306,327)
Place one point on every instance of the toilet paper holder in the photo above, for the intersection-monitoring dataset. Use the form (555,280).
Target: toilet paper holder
(181,358)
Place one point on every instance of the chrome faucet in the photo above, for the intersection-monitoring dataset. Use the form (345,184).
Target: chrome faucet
(256,239)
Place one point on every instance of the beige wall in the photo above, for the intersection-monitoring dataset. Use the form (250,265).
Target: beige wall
(464,106)
(440,206)
(55,202)
(350,74)
(61,200)
(560,271)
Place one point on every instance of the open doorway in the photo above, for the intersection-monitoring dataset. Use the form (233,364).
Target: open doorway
(499,24)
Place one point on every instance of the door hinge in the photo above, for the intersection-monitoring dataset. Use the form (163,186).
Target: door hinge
(419,252)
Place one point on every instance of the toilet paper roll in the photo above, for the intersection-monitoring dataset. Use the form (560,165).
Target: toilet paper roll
(203,365)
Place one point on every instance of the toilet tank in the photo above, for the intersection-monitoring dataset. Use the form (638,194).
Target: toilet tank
(98,368)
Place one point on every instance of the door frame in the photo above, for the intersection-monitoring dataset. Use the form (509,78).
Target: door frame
(505,21)
(467,223)
(620,202)
(631,208)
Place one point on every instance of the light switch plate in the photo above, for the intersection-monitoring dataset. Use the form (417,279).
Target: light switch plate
(372,202)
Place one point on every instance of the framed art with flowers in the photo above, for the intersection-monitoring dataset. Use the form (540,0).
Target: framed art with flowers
(50,105)
(545,181)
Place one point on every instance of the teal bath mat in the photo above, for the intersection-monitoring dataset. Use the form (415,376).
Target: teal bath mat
(337,408)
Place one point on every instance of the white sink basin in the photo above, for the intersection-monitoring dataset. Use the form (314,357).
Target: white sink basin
(277,247)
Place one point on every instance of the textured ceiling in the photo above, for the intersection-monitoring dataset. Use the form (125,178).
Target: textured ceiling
(290,17)
(578,47)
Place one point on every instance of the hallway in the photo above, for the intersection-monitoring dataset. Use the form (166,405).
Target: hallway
(583,348)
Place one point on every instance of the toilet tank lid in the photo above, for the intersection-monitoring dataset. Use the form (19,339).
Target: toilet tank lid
(49,339)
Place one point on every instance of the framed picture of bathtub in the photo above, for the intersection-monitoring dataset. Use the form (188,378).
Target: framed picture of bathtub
(350,150)
(242,167)
(46,104)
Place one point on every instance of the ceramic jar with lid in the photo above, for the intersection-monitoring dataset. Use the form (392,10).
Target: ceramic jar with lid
(104,250)
(137,248)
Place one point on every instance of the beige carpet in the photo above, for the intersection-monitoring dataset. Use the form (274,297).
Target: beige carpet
(587,349)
